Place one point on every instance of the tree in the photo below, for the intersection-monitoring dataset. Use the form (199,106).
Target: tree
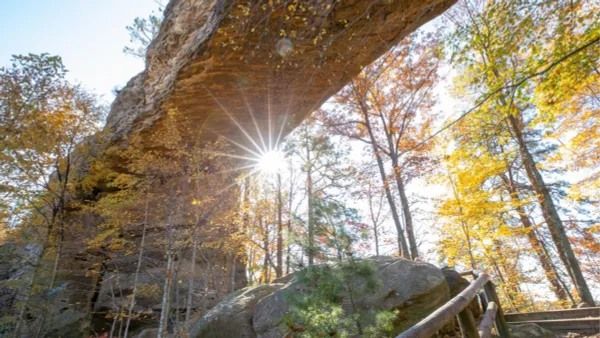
(375,199)
(388,106)
(43,118)
(279,270)
(326,174)
(481,221)
(568,96)
(493,57)
(44,121)
(142,31)
(338,229)
(166,184)
(537,245)
(333,303)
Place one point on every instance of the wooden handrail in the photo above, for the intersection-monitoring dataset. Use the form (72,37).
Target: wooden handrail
(436,320)
(554,314)
(485,327)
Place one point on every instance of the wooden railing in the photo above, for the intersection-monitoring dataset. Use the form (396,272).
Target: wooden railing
(458,306)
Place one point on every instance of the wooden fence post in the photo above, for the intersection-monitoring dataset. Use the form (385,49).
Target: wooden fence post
(467,323)
(429,325)
(490,292)
(485,327)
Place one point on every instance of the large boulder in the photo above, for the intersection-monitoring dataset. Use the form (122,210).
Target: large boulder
(232,317)
(414,289)
(457,283)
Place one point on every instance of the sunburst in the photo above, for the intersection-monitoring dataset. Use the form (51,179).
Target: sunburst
(270,162)
(261,156)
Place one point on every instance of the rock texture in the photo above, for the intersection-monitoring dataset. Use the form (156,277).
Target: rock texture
(214,278)
(233,316)
(415,289)
(17,263)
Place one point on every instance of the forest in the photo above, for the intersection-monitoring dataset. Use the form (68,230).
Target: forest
(471,144)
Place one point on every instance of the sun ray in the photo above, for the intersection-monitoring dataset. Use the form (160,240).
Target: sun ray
(287,109)
(239,145)
(241,157)
(250,166)
(250,111)
(285,117)
(266,158)
(269,112)
(250,173)
(235,121)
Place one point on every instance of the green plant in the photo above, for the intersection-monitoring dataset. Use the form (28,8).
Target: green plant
(333,303)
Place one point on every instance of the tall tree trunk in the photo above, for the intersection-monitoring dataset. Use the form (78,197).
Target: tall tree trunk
(137,270)
(374,220)
(549,212)
(406,213)
(57,217)
(464,227)
(120,316)
(175,290)
(376,238)
(558,275)
(57,258)
(555,225)
(113,326)
(288,256)
(188,302)
(397,171)
(265,266)
(279,270)
(545,261)
(402,245)
(232,279)
(311,251)
(53,274)
(166,296)
(250,272)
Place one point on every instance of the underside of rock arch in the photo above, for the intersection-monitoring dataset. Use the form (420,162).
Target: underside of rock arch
(220,64)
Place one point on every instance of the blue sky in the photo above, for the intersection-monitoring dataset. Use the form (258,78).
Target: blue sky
(88,34)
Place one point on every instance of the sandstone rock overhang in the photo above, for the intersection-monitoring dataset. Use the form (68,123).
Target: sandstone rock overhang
(227,65)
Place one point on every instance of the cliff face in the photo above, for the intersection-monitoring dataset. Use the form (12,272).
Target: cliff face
(224,68)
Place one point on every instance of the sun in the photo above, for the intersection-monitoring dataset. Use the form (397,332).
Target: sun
(271,161)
